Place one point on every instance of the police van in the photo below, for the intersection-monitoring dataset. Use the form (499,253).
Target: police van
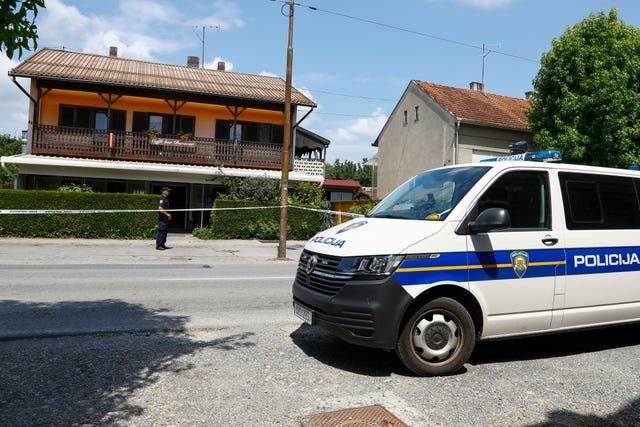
(478,251)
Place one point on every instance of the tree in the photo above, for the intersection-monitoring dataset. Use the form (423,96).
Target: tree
(17,25)
(360,172)
(8,147)
(586,100)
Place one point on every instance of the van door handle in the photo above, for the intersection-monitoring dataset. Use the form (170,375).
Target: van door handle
(549,241)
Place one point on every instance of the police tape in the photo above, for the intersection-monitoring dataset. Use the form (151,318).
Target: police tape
(102,211)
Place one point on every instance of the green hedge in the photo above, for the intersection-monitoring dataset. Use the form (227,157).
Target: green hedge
(259,223)
(98,225)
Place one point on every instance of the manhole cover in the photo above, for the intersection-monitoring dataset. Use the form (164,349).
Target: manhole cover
(367,416)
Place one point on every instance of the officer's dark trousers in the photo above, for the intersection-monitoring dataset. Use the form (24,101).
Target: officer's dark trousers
(161,238)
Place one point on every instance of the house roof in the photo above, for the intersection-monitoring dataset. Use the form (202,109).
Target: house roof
(477,107)
(341,183)
(54,64)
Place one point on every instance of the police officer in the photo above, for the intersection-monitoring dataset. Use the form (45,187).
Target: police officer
(163,219)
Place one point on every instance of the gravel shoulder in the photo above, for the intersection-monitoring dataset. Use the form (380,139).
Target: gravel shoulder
(271,375)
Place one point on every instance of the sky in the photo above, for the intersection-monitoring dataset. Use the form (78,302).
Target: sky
(353,58)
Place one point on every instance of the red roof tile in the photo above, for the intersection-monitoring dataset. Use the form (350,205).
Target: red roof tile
(341,183)
(474,106)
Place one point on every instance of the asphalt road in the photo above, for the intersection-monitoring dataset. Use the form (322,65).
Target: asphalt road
(96,333)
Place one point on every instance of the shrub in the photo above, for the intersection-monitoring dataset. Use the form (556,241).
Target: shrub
(261,223)
(254,189)
(129,225)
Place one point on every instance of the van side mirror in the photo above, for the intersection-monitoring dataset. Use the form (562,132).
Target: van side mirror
(491,219)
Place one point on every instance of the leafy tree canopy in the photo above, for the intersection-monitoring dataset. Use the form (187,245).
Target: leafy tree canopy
(349,170)
(17,25)
(586,100)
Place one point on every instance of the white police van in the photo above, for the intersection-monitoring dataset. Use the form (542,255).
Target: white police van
(478,251)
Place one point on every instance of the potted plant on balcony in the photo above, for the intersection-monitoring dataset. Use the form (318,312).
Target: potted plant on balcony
(153,133)
(185,136)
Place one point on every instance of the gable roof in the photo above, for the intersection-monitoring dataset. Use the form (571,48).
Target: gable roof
(54,64)
(477,107)
(341,183)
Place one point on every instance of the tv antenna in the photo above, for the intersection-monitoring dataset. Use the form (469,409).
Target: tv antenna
(485,53)
(204,27)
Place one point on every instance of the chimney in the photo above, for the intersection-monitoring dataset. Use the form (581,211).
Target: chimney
(476,86)
(528,95)
(193,61)
(113,51)
(221,65)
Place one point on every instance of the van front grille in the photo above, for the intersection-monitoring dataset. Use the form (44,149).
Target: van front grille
(320,273)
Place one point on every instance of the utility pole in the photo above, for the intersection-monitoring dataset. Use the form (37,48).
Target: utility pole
(286,142)
(217,27)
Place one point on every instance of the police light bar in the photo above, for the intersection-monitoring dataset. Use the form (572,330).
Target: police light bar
(536,156)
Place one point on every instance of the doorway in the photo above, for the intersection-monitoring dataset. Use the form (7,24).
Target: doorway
(178,200)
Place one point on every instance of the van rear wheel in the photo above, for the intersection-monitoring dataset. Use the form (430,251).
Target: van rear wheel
(438,339)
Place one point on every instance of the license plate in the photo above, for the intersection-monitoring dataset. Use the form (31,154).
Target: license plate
(303,313)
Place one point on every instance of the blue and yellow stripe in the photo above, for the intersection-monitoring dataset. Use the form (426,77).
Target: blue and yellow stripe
(462,267)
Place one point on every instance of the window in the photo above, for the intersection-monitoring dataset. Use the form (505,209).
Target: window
(162,122)
(599,202)
(406,118)
(102,120)
(417,118)
(259,132)
(525,195)
(335,196)
(430,195)
(91,118)
(155,122)
(249,131)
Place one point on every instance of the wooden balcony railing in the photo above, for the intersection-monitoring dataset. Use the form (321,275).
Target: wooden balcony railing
(92,143)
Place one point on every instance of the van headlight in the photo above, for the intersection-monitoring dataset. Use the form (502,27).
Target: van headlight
(376,266)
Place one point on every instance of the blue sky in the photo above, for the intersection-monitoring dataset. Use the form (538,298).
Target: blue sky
(354,58)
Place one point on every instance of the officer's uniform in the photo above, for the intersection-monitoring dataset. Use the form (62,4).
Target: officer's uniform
(163,222)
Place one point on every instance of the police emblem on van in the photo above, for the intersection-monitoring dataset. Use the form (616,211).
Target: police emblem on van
(519,262)
(311,264)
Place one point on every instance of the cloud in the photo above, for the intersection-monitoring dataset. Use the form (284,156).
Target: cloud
(160,27)
(213,65)
(354,138)
(66,26)
(14,107)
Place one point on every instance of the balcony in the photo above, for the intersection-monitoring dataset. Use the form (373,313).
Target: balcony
(139,146)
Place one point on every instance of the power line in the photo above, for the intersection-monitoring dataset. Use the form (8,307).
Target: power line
(347,95)
(414,32)
(345,115)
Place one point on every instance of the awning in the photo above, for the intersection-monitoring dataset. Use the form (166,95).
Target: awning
(30,164)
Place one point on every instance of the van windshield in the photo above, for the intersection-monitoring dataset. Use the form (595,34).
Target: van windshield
(430,195)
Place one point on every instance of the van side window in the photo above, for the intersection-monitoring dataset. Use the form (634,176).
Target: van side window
(599,202)
(525,195)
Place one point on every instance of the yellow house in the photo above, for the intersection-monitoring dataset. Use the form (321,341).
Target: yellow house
(123,125)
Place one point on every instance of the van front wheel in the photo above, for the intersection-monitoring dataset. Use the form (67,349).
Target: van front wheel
(438,339)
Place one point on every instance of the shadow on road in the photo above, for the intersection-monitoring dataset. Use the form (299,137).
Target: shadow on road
(89,379)
(555,345)
(332,351)
(629,415)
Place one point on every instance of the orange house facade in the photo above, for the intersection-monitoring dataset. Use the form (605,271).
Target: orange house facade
(122,125)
